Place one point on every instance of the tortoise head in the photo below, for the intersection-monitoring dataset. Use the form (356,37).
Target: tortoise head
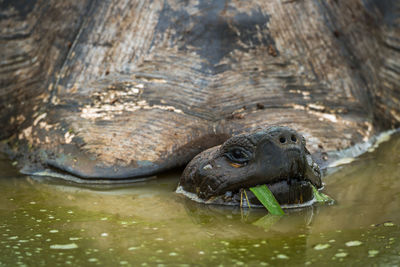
(276,156)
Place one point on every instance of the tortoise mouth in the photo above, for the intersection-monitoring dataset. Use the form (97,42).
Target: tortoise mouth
(289,193)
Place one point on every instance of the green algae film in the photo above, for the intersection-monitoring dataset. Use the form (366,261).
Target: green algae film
(49,223)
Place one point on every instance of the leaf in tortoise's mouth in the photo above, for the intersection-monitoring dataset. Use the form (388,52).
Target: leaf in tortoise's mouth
(268,200)
(265,196)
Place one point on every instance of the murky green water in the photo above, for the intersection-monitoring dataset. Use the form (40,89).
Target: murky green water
(54,223)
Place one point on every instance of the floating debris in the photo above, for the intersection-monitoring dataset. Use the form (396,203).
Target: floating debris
(321,246)
(341,254)
(282,257)
(373,253)
(354,243)
(64,246)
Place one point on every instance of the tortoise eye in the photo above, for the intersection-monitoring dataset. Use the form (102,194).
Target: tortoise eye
(238,155)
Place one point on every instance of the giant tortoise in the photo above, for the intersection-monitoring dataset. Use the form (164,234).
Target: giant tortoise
(111,91)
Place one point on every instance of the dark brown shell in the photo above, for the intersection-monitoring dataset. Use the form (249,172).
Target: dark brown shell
(117,89)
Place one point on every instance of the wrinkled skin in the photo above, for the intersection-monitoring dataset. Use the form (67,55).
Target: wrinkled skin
(276,156)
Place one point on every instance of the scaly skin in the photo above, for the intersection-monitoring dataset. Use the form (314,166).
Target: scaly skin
(276,156)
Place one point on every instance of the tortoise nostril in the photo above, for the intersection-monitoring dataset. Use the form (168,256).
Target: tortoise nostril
(282,139)
(293,138)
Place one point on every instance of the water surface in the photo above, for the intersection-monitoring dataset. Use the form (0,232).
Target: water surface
(50,222)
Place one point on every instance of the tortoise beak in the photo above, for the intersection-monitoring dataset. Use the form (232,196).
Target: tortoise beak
(277,163)
(288,162)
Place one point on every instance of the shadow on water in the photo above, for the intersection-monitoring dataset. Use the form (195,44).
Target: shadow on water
(49,222)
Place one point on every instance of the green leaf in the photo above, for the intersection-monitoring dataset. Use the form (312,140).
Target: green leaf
(320,197)
(265,196)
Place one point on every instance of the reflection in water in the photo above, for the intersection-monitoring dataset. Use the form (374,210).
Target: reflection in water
(48,222)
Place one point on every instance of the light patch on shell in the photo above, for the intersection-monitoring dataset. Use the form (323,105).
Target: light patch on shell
(21,118)
(316,107)
(107,111)
(369,131)
(27,132)
(44,125)
(325,114)
(304,93)
(207,167)
(121,97)
(329,117)
(39,118)
(68,137)
(298,107)
(150,79)
(55,101)
(394,114)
